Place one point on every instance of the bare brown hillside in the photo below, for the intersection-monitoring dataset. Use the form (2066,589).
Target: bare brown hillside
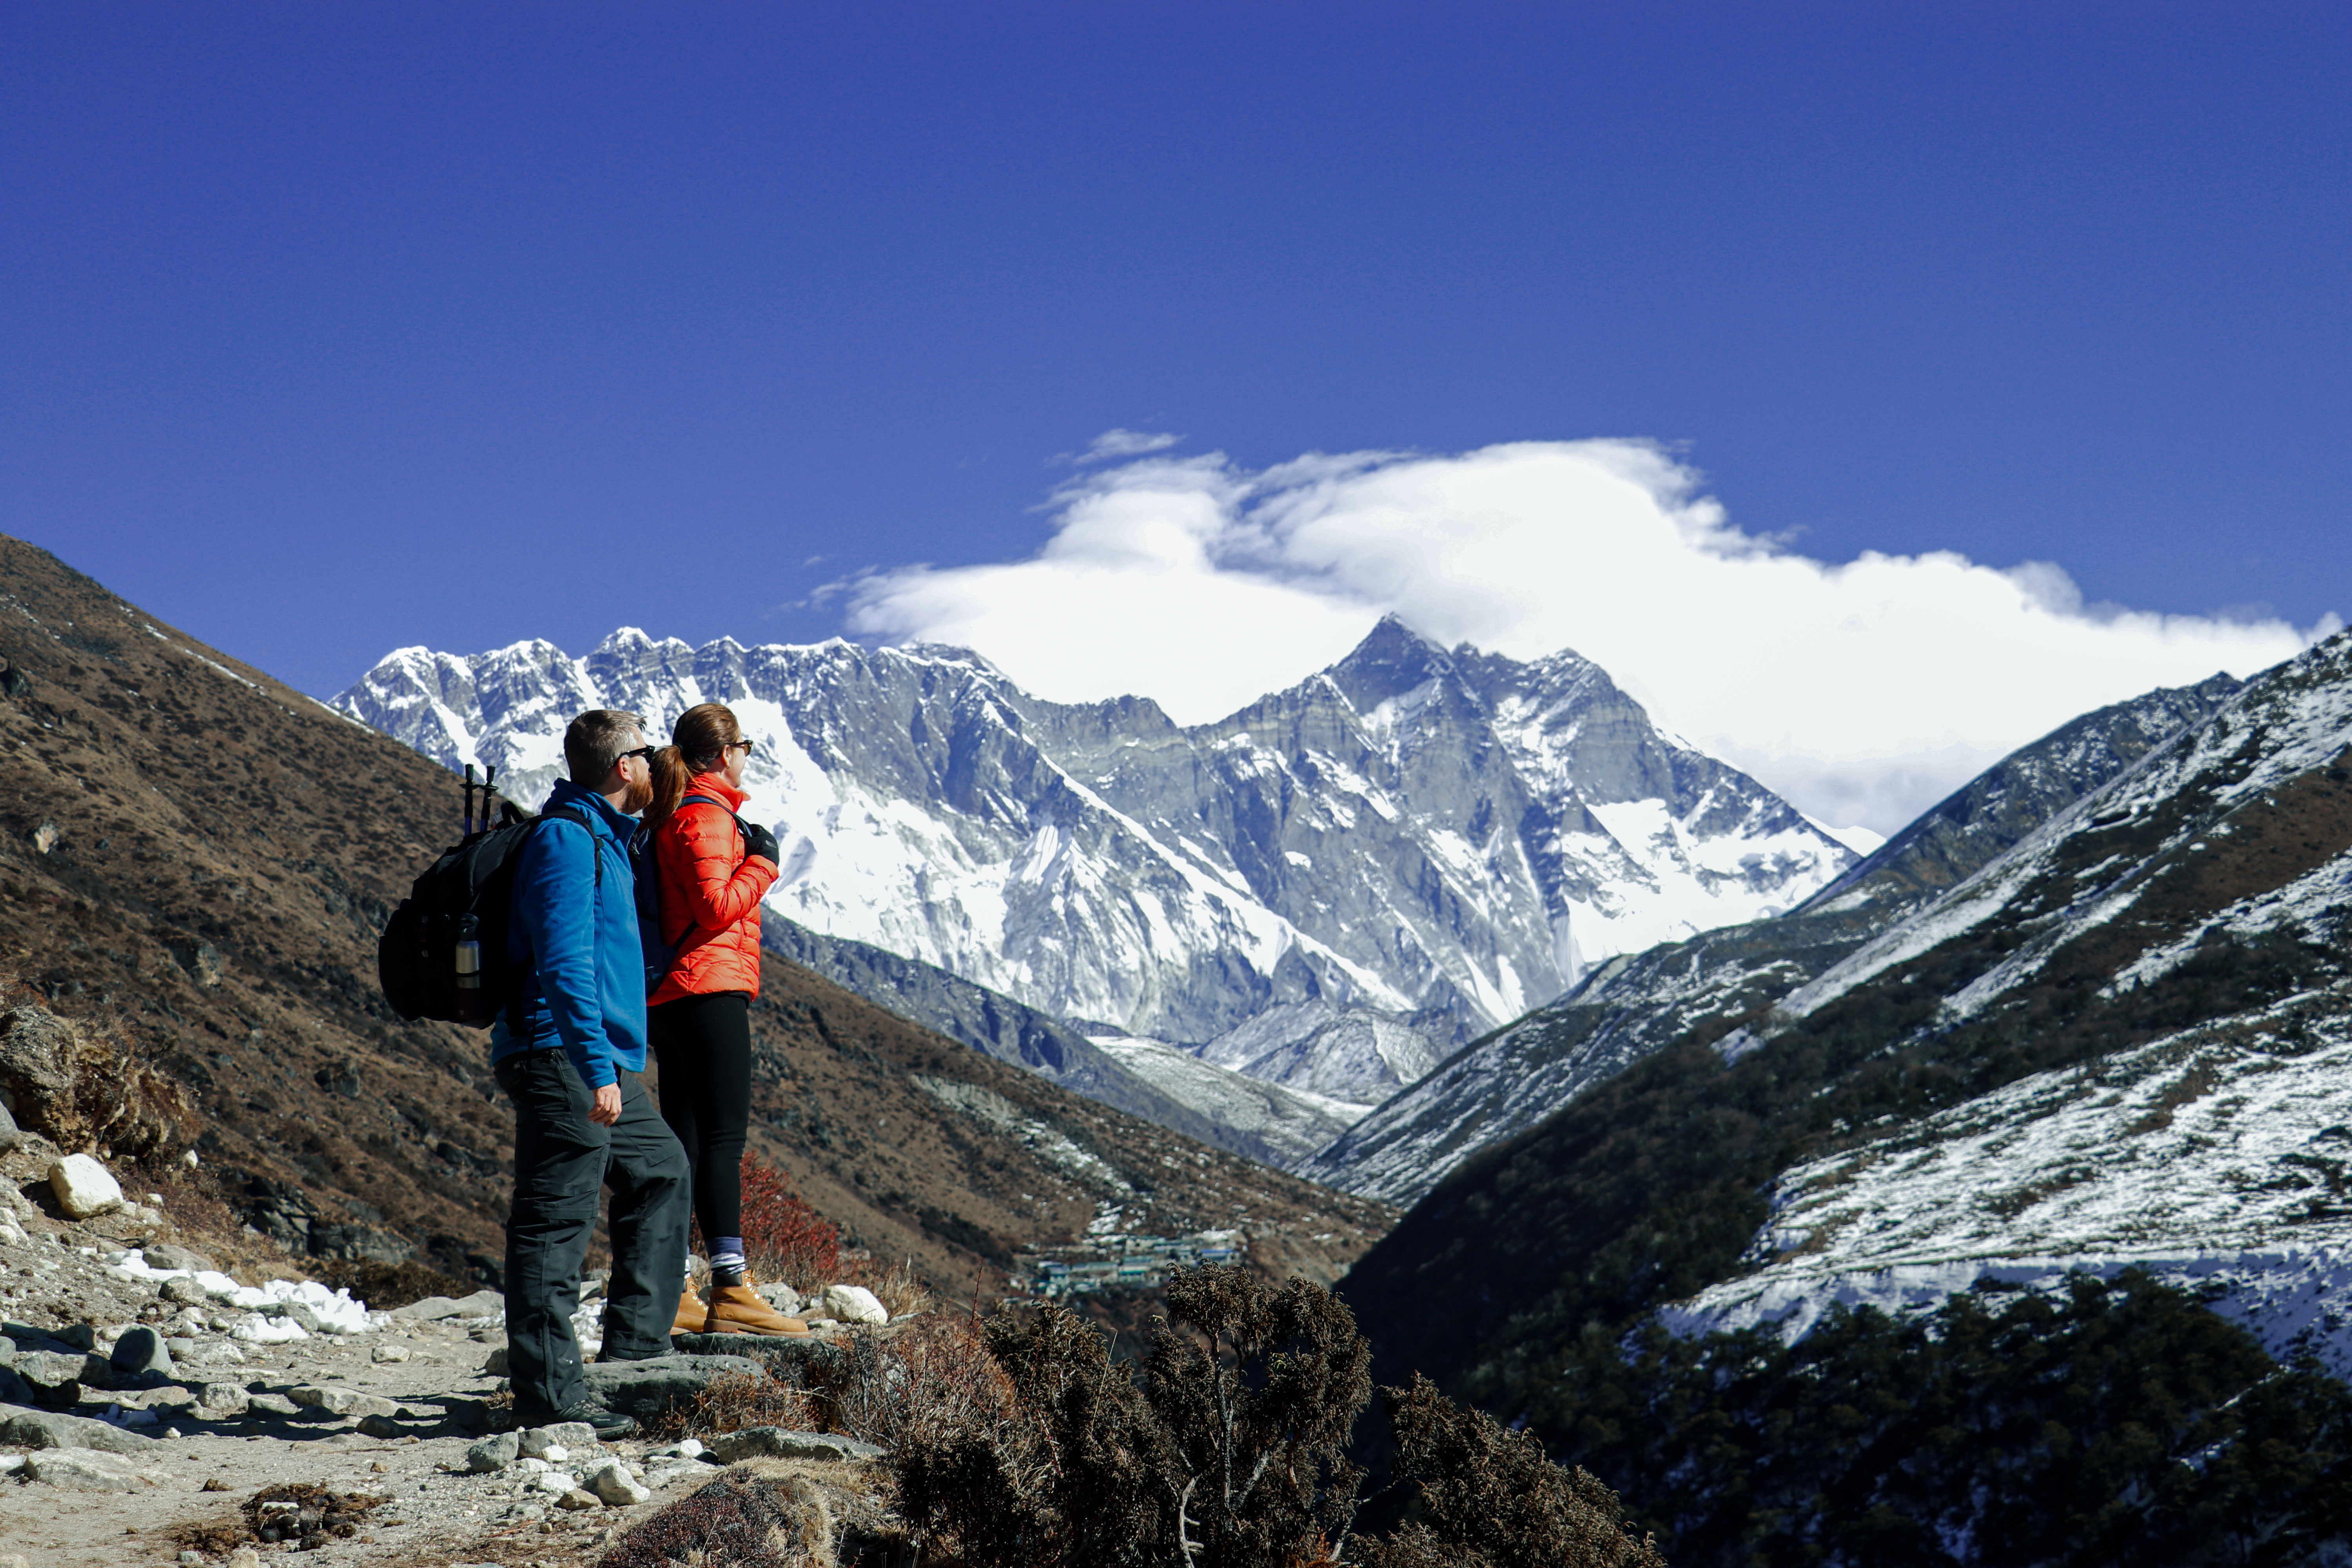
(196,858)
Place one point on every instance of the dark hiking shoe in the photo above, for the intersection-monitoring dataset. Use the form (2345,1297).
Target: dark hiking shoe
(610,1425)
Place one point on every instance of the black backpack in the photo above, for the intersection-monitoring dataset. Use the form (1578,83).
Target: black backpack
(660,955)
(443,953)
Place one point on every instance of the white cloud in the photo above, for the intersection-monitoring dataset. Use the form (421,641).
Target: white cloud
(1113,445)
(1864,692)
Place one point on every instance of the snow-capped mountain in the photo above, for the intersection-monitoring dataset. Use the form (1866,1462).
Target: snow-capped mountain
(1640,1002)
(1325,890)
(2120,1041)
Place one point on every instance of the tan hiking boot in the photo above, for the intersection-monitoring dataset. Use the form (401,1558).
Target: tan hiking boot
(691,1314)
(738,1309)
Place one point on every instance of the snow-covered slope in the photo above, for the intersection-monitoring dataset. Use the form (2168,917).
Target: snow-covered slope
(1710,983)
(1412,842)
(2120,1040)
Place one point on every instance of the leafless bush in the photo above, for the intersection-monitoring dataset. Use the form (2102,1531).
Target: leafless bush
(733,1401)
(1230,1452)
(85,1086)
(1490,1500)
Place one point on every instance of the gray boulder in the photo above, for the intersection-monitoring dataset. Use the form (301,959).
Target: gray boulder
(647,1388)
(90,1471)
(52,1429)
(165,1255)
(57,1376)
(781,1443)
(495,1452)
(142,1351)
(574,1436)
(336,1400)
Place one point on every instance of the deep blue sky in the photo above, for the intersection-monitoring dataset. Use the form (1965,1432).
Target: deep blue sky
(329,328)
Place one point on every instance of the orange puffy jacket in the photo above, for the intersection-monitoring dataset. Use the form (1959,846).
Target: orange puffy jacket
(708,883)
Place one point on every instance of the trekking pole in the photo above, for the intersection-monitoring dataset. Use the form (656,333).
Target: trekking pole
(489,779)
(469,800)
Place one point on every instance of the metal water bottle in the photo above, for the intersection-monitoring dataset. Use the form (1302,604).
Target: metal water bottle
(470,953)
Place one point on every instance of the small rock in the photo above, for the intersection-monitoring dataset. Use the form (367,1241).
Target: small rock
(481,1303)
(556,1483)
(189,1559)
(493,1453)
(388,1352)
(580,1500)
(77,1336)
(685,1448)
(297,1314)
(496,1364)
(781,1443)
(245,1557)
(851,1304)
(275,1405)
(337,1400)
(220,1401)
(11,1135)
(142,1350)
(181,1290)
(544,1442)
(89,1470)
(165,1255)
(383,1426)
(612,1482)
(84,1187)
(783,1298)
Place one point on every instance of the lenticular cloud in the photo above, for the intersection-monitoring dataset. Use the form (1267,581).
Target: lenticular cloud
(1862,690)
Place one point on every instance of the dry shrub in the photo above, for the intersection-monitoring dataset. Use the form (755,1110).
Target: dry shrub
(1490,1500)
(769,1513)
(929,1378)
(899,1288)
(85,1086)
(733,1401)
(1229,1451)
(783,1238)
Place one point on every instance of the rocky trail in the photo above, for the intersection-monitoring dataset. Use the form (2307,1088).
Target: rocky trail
(157,1409)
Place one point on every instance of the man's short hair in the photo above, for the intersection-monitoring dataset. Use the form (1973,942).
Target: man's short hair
(595,741)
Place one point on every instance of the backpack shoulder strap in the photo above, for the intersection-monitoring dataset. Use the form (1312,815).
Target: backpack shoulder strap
(572,813)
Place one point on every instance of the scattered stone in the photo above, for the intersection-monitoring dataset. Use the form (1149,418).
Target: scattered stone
(11,1135)
(90,1471)
(57,1376)
(612,1482)
(84,1188)
(275,1405)
(433,1308)
(77,1336)
(181,1290)
(649,1387)
(383,1354)
(683,1448)
(142,1351)
(295,1312)
(495,1452)
(790,1360)
(338,1401)
(165,1255)
(219,1401)
(556,1483)
(576,1500)
(851,1304)
(781,1443)
(496,1364)
(783,1298)
(544,1442)
(245,1557)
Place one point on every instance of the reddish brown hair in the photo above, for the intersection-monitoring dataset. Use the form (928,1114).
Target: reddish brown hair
(698,745)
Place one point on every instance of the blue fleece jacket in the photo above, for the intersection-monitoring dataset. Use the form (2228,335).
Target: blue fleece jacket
(587,985)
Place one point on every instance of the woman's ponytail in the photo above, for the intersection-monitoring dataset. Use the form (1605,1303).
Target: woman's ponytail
(670,776)
(699,743)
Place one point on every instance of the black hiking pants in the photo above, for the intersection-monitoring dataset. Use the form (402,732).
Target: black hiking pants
(704,1045)
(562,1160)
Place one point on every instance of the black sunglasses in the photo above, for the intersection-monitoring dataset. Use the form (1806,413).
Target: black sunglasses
(644,752)
(748,746)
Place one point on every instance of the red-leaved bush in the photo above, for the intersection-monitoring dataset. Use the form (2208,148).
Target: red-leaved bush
(785,1240)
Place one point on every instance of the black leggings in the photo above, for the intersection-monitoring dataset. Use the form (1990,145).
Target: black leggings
(704,1045)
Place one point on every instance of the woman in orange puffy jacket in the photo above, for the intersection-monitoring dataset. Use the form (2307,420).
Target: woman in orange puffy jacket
(713,869)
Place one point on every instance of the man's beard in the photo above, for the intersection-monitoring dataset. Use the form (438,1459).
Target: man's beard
(640,795)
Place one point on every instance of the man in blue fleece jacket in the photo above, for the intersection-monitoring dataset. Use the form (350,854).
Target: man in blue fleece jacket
(568,1052)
